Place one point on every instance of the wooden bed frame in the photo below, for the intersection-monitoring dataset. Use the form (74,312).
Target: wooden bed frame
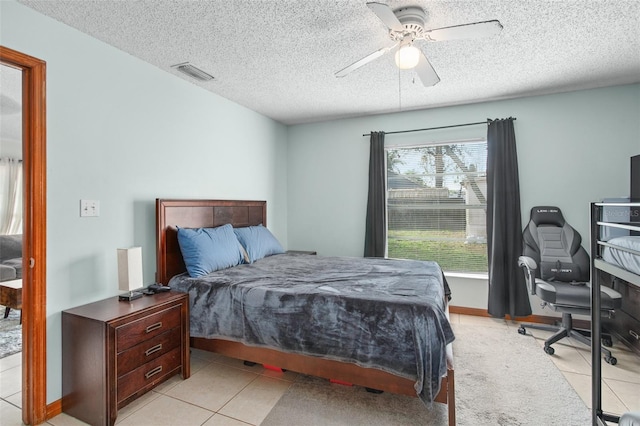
(211,213)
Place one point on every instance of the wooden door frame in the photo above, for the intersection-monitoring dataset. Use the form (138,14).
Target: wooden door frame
(34,317)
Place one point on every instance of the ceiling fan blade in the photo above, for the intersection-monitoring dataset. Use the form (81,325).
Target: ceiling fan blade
(357,64)
(426,73)
(386,15)
(458,32)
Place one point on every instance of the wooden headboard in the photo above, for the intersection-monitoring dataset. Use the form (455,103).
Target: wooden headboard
(171,214)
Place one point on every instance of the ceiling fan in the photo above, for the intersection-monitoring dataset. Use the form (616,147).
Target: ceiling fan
(406,25)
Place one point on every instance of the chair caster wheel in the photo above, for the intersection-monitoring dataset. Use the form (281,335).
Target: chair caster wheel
(607,342)
(549,350)
(522,330)
(611,360)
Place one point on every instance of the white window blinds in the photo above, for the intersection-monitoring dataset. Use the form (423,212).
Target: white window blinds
(436,204)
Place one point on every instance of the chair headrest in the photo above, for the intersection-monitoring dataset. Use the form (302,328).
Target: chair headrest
(547,215)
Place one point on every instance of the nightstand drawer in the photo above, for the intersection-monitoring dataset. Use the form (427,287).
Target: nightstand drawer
(147,351)
(148,374)
(147,328)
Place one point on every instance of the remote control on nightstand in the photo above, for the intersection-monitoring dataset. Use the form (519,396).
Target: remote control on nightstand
(158,288)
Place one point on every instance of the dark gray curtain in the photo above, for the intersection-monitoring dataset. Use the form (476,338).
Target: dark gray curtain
(507,287)
(375,238)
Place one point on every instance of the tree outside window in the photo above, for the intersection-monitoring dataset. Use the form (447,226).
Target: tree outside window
(436,204)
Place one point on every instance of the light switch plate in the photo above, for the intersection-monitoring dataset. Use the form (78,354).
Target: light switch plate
(89,208)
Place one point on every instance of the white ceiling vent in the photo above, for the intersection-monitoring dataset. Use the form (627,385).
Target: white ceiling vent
(191,71)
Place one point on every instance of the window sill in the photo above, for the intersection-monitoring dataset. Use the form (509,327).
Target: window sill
(470,276)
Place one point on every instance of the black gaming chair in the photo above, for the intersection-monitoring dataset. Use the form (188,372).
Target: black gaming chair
(557,270)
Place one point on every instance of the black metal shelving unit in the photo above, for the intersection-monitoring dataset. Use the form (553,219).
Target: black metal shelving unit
(598,223)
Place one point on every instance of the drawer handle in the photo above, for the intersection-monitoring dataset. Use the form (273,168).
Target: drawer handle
(154,327)
(634,334)
(153,349)
(153,372)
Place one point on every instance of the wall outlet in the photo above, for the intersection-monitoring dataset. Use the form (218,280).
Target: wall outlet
(89,208)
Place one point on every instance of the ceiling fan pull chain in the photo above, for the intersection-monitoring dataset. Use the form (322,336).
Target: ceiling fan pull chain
(399,92)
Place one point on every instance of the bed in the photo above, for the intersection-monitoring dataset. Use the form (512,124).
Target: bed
(437,376)
(615,240)
(615,254)
(623,252)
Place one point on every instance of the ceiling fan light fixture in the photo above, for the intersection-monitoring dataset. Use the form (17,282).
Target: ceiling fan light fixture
(407,57)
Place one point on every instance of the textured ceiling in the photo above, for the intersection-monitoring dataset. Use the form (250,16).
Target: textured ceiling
(278,57)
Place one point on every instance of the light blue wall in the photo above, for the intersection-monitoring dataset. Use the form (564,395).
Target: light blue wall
(573,148)
(124,132)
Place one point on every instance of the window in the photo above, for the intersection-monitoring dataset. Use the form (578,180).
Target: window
(10,196)
(436,204)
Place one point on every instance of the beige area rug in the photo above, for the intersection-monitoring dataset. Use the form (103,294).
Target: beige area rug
(502,378)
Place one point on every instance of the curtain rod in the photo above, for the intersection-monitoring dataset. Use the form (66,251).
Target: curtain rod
(434,128)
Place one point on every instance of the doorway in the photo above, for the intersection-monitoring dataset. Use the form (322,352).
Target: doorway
(34,360)
(11,240)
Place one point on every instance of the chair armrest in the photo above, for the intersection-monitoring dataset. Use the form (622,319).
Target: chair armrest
(530,266)
(527,262)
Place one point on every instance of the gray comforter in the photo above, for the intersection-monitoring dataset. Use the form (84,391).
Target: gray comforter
(381,313)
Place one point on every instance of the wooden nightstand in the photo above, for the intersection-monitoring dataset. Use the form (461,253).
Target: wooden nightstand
(113,352)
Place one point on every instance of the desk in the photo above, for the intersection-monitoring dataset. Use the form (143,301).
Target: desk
(11,296)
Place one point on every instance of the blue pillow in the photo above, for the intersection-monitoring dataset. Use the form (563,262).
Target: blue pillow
(258,242)
(206,250)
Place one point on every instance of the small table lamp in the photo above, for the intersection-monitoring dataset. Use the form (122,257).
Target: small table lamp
(130,273)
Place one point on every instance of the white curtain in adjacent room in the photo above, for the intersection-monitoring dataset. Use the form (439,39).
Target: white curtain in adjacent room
(10,196)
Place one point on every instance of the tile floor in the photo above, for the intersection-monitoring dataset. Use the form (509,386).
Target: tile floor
(245,395)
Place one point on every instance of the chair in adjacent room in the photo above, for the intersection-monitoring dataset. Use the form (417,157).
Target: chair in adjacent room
(557,270)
